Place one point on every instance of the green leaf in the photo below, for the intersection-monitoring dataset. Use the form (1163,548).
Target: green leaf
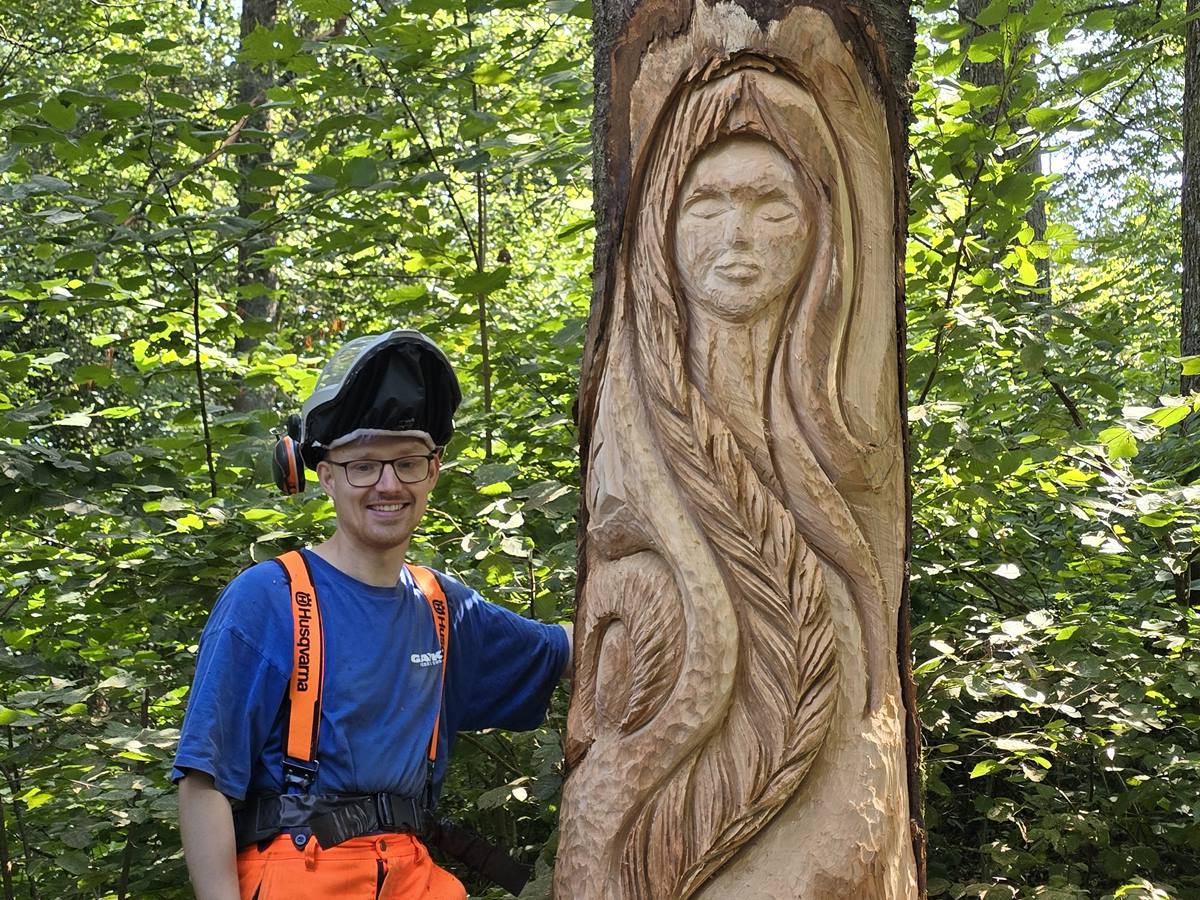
(483,282)
(1101,20)
(491,473)
(120,412)
(101,375)
(270,45)
(79,259)
(984,767)
(361,172)
(1119,443)
(121,58)
(948,62)
(949,31)
(58,115)
(1167,416)
(986,48)
(74,420)
(127,26)
(1042,15)
(174,100)
(1158,519)
(488,73)
(1033,357)
(993,14)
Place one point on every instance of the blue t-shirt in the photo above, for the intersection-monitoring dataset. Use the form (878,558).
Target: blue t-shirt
(381,681)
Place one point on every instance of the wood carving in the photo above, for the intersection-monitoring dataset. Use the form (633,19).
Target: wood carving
(737,720)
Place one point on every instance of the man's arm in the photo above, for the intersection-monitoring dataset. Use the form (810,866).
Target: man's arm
(206,825)
(569,669)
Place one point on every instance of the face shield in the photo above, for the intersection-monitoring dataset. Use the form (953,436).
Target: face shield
(394,382)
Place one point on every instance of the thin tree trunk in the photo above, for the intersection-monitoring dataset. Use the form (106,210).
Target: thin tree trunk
(14,788)
(5,860)
(1190,206)
(481,248)
(1189,319)
(256,304)
(485,367)
(993,73)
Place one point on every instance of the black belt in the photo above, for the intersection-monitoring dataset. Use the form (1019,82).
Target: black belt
(332,819)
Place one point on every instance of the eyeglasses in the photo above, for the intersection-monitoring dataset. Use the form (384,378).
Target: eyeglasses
(367,472)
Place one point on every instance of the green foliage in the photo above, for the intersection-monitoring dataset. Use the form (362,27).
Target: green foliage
(132,492)
(1054,517)
(426,164)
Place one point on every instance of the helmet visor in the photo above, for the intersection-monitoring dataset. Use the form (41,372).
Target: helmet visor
(396,382)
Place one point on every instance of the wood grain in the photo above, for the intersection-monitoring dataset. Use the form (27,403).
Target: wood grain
(744,541)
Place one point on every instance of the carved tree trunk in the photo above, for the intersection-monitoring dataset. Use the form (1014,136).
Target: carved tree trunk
(743,719)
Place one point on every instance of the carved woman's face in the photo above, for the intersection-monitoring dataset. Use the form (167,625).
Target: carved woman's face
(739,228)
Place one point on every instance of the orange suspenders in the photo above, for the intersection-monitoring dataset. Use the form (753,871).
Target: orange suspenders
(428,584)
(308,667)
(308,675)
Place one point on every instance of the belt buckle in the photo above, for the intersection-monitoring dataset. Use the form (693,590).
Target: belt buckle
(299,774)
(383,811)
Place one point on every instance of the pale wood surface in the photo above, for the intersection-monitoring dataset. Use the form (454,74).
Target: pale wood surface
(737,723)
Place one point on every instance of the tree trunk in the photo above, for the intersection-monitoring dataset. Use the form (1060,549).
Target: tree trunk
(1190,228)
(1190,207)
(994,73)
(256,305)
(743,721)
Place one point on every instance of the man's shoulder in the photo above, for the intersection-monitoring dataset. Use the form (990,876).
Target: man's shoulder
(267,576)
(451,585)
(252,594)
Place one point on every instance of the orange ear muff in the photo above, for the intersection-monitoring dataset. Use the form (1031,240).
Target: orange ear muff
(287,463)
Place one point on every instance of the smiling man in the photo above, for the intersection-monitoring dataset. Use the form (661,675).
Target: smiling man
(330,682)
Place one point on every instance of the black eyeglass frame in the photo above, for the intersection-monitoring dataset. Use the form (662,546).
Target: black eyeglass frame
(428,457)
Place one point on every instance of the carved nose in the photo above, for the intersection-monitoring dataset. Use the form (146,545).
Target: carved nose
(741,233)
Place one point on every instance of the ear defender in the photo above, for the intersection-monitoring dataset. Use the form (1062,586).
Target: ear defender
(286,462)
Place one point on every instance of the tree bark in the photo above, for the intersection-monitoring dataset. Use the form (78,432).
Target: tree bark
(256,282)
(743,721)
(1189,312)
(994,73)
(1190,205)
(5,860)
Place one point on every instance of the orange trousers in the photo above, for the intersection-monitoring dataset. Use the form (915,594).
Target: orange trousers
(385,866)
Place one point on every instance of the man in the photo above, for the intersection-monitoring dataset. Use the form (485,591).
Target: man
(393,694)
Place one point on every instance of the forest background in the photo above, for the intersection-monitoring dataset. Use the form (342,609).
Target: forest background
(200,201)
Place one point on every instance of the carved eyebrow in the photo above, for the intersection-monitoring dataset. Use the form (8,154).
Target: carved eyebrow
(772,193)
(706,192)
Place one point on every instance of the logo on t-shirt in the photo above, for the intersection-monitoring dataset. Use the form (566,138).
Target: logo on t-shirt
(425,660)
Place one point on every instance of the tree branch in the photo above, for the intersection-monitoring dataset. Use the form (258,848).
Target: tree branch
(1064,397)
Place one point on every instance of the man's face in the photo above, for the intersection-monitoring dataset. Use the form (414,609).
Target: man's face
(383,516)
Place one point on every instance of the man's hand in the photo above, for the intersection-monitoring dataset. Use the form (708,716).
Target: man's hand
(206,825)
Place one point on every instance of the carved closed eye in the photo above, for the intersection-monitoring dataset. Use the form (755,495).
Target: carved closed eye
(708,208)
(776,211)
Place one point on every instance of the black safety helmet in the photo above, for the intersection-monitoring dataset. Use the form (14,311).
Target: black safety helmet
(399,382)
